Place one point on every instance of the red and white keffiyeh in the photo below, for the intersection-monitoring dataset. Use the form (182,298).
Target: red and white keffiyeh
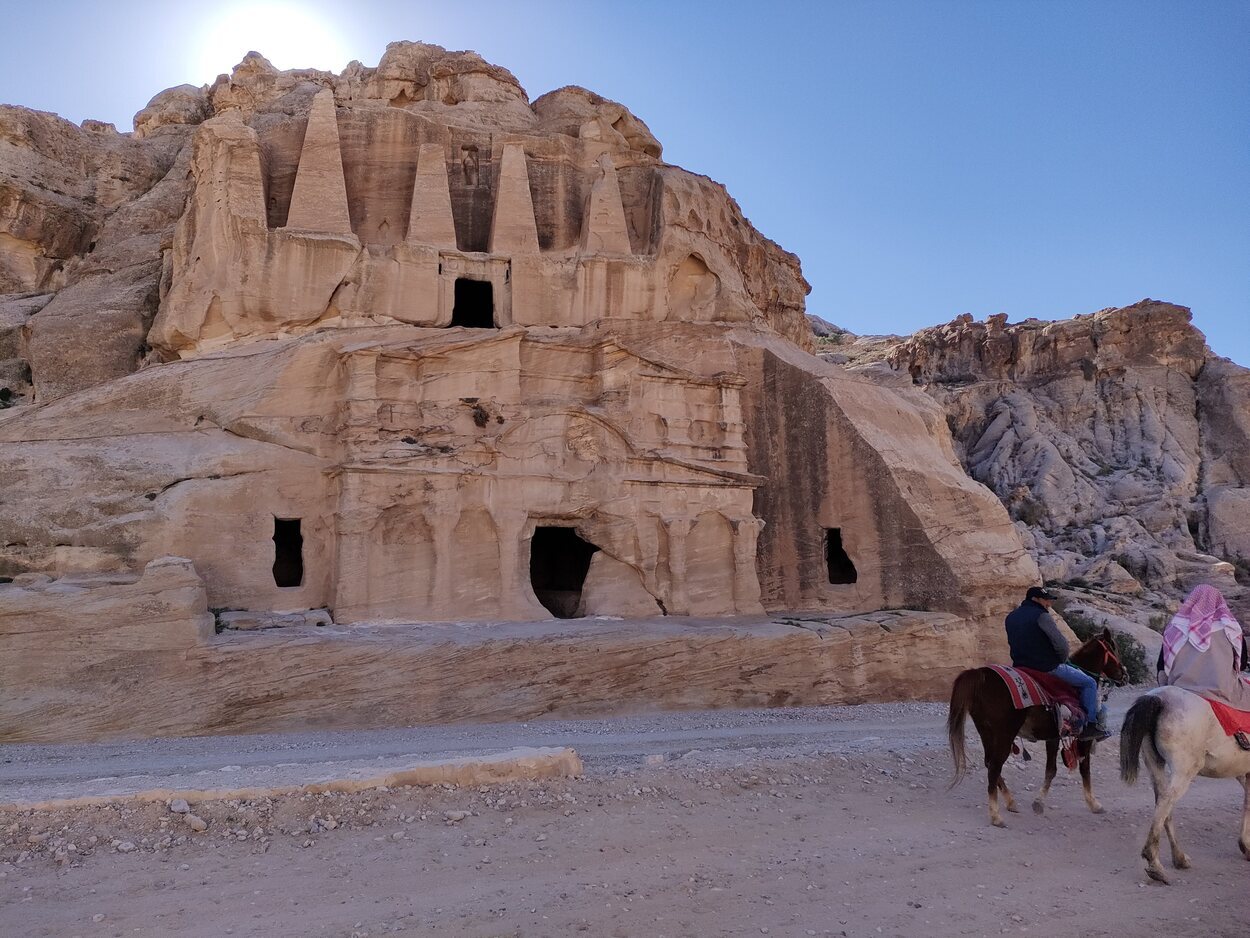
(1203,613)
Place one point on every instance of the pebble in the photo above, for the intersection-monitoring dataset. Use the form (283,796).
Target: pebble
(195,822)
(98,918)
(125,846)
(179,806)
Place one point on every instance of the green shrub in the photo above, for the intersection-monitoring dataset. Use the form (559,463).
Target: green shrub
(1131,652)
(1081,624)
(1133,657)
(1030,511)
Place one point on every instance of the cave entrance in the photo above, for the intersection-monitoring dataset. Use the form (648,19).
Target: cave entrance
(838,563)
(288,552)
(559,560)
(475,304)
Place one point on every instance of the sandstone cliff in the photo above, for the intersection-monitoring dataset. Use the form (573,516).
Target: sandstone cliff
(1118,441)
(324,355)
(88,214)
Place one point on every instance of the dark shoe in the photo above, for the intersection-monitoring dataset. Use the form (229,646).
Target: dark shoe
(1094,732)
(1242,740)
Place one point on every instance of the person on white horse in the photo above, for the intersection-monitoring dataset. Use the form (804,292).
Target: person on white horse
(1175,730)
(1204,650)
(1036,642)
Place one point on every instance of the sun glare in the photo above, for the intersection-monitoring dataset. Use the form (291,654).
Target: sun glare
(290,35)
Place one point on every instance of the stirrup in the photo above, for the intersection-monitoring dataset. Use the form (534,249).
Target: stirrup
(1095,732)
(1242,739)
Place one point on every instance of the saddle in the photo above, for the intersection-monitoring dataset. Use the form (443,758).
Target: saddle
(1236,723)
(1029,688)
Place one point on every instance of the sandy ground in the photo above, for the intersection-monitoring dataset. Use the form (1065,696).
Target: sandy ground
(795,839)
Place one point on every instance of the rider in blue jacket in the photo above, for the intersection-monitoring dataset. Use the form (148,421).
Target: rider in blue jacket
(1037,643)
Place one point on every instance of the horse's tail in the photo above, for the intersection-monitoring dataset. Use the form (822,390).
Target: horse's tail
(1140,723)
(966,688)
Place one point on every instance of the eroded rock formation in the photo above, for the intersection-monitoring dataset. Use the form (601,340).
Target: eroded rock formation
(399,345)
(1119,442)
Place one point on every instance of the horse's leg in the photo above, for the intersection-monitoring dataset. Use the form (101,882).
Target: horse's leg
(1011,802)
(1180,859)
(1052,767)
(996,752)
(1086,752)
(1170,782)
(1244,840)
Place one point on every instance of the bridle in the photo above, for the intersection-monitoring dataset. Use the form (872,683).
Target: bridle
(1104,680)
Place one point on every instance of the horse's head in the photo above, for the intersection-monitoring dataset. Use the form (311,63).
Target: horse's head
(1098,656)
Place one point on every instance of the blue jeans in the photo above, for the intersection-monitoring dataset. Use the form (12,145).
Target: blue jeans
(1085,684)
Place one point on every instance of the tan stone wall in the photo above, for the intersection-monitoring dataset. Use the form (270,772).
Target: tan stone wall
(96,656)
(639,376)
(139,659)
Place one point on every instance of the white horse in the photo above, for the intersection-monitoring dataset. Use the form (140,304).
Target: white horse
(1185,740)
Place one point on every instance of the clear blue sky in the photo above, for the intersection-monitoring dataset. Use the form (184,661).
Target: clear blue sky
(924,159)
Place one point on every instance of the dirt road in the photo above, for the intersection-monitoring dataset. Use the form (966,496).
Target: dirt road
(830,822)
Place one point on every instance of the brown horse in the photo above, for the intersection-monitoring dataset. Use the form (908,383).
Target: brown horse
(981,693)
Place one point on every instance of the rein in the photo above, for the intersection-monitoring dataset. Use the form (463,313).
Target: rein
(1101,678)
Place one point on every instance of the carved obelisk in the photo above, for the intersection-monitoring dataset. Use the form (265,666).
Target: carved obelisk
(319,202)
(513,229)
(429,219)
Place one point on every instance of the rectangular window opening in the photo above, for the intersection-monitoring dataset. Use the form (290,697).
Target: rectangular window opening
(475,304)
(838,563)
(288,552)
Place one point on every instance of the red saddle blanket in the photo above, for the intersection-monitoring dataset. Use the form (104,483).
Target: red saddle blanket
(1233,721)
(1031,688)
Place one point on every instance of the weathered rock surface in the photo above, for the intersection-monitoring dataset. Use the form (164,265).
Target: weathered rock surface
(83,216)
(397,346)
(1118,441)
(111,664)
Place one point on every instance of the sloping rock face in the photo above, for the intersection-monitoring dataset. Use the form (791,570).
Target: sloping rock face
(1118,441)
(400,346)
(84,212)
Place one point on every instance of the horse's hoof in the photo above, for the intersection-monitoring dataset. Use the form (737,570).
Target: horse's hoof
(1181,862)
(998,822)
(1014,809)
(1245,849)
(1039,807)
(1097,809)
(1157,876)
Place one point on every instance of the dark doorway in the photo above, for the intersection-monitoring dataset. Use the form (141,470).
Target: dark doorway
(288,552)
(559,560)
(837,561)
(475,304)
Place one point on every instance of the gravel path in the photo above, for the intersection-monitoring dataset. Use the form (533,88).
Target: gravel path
(34,773)
(831,822)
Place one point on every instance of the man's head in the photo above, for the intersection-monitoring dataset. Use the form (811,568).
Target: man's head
(1039,595)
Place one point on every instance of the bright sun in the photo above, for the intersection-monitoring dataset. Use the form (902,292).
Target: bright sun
(288,34)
